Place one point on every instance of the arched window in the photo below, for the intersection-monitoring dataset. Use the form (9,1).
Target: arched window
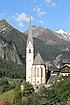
(29,50)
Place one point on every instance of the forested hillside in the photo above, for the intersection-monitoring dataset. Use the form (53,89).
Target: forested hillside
(11,69)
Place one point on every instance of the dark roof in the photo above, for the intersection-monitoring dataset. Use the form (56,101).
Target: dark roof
(66,66)
(66,61)
(65,69)
(30,37)
(38,60)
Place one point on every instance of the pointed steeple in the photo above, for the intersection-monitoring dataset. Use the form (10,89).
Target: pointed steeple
(38,60)
(30,37)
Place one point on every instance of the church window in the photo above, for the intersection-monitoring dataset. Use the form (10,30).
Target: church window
(42,72)
(37,72)
(35,67)
(37,81)
(29,50)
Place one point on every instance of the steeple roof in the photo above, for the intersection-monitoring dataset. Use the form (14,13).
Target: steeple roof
(30,37)
(38,60)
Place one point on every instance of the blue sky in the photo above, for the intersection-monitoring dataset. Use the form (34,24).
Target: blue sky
(52,14)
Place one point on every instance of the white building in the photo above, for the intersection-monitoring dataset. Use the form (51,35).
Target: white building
(35,68)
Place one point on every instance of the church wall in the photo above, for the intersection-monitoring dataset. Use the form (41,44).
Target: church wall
(33,75)
(38,75)
(44,74)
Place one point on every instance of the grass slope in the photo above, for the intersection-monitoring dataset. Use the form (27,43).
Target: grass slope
(9,95)
(12,81)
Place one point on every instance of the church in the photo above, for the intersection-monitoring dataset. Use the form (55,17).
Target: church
(35,66)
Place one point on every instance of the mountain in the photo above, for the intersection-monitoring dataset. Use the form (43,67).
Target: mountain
(63,35)
(46,41)
(48,36)
(5,27)
(9,52)
(8,39)
(14,37)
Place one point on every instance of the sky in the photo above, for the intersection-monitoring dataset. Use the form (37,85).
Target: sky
(52,14)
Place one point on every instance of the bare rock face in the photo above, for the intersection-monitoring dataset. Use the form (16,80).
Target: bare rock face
(9,52)
(1,50)
(50,37)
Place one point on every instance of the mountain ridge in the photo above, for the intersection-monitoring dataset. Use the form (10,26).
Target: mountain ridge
(46,42)
(48,36)
(64,35)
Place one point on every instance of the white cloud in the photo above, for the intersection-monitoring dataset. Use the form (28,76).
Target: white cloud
(50,3)
(21,18)
(39,11)
(40,21)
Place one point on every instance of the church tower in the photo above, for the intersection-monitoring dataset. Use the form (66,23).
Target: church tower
(29,54)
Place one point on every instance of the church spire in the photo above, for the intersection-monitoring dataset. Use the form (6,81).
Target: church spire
(30,37)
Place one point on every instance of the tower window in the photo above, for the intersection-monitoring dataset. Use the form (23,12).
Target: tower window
(37,81)
(37,72)
(29,50)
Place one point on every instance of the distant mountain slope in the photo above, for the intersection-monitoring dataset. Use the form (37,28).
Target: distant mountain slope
(62,34)
(9,52)
(11,69)
(46,42)
(48,36)
(5,27)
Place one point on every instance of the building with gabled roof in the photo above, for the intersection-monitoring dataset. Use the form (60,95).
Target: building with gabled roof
(65,68)
(35,67)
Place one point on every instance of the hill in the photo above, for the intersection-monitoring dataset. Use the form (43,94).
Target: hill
(8,95)
(11,69)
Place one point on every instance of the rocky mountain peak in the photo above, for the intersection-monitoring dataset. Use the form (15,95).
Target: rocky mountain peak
(3,21)
(5,26)
(61,31)
(63,35)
